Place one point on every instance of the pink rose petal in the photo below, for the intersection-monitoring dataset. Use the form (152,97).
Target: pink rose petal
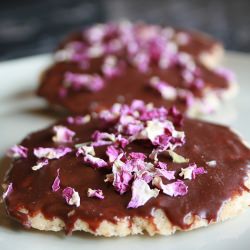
(62,134)
(79,81)
(56,182)
(51,153)
(121,181)
(79,120)
(112,153)
(71,196)
(95,193)
(95,162)
(141,193)
(192,171)
(40,163)
(177,188)
(17,152)
(169,175)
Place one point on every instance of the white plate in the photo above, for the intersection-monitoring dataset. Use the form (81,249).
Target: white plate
(22,112)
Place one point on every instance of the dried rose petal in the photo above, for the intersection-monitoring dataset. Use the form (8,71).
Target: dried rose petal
(141,193)
(137,156)
(79,120)
(191,171)
(84,150)
(95,161)
(8,190)
(71,196)
(95,193)
(40,163)
(112,153)
(17,152)
(167,91)
(141,60)
(121,176)
(51,153)
(78,81)
(111,67)
(121,141)
(145,175)
(154,129)
(102,138)
(169,175)
(176,158)
(56,183)
(62,134)
(199,170)
(177,188)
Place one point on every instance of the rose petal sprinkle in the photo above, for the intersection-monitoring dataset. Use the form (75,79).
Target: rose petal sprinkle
(141,193)
(167,91)
(62,134)
(112,153)
(71,196)
(95,161)
(56,182)
(177,188)
(51,153)
(79,81)
(17,152)
(79,120)
(40,163)
(95,193)
(191,171)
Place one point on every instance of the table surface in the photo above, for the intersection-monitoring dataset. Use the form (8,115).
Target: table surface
(21,112)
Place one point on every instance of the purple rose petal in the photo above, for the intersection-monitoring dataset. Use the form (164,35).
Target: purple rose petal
(17,152)
(78,81)
(62,134)
(51,153)
(40,163)
(95,193)
(141,193)
(56,182)
(71,196)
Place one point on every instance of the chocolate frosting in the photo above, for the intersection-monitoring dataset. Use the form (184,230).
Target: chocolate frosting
(206,194)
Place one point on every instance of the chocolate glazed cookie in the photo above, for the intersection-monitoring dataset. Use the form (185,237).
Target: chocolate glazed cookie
(120,62)
(128,170)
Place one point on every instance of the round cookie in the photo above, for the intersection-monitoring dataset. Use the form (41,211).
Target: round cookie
(128,170)
(118,63)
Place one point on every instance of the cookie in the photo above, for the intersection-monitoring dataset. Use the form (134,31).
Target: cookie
(199,45)
(118,63)
(132,169)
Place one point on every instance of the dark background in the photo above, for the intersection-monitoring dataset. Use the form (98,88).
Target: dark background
(29,27)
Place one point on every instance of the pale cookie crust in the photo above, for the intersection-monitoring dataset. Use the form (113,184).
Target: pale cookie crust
(212,58)
(136,225)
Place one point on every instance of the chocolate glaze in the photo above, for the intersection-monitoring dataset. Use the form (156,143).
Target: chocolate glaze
(124,88)
(206,194)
